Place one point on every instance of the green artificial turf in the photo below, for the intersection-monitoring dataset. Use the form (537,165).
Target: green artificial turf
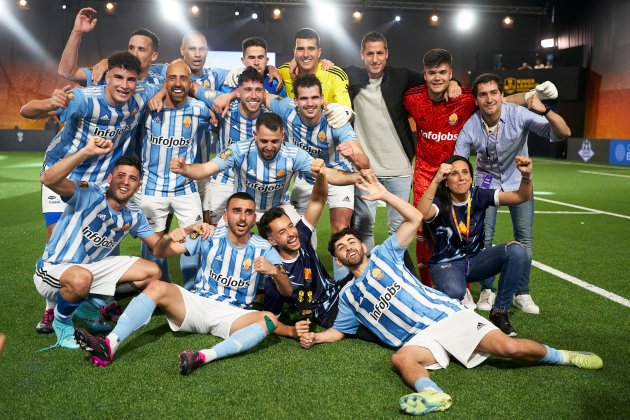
(351,378)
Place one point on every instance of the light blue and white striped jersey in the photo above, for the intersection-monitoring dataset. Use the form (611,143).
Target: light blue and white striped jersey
(234,127)
(227,271)
(154,76)
(89,228)
(319,140)
(89,114)
(389,301)
(172,132)
(265,180)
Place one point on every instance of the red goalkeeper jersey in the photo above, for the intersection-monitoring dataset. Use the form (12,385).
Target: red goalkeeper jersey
(437,125)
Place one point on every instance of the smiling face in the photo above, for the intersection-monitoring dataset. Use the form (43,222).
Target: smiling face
(350,251)
(284,235)
(250,95)
(459,180)
(374,56)
(306,55)
(121,84)
(268,142)
(124,182)
(240,216)
(489,100)
(309,101)
(177,83)
(437,79)
(142,47)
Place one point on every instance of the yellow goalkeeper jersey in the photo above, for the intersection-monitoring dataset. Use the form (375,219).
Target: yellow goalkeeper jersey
(334,83)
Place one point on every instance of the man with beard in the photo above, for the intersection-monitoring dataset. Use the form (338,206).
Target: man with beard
(424,324)
(175,131)
(237,125)
(233,262)
(263,166)
(77,260)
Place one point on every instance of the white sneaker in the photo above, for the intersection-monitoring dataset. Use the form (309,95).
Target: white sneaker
(526,304)
(486,300)
(468,301)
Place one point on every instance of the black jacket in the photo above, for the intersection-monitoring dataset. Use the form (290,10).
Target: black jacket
(396,81)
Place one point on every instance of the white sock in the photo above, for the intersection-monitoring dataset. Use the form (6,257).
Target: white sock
(209,354)
(113,342)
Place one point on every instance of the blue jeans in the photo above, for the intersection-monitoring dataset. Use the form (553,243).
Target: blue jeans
(522,223)
(507,259)
(365,211)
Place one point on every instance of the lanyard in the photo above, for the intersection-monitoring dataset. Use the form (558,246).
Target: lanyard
(461,228)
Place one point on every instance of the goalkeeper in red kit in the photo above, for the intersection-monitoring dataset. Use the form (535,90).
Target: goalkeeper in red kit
(438,123)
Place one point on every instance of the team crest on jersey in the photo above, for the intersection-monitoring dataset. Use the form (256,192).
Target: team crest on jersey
(308,274)
(134,112)
(187,121)
(247,264)
(206,84)
(321,136)
(452,120)
(193,235)
(225,154)
(208,94)
(377,273)
(71,96)
(281,173)
(126,227)
(83,184)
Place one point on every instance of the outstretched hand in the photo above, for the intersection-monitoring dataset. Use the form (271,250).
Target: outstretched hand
(370,185)
(85,20)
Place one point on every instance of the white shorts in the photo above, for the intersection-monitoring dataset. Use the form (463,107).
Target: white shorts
(207,316)
(51,201)
(105,272)
(458,335)
(219,194)
(338,196)
(187,209)
(203,186)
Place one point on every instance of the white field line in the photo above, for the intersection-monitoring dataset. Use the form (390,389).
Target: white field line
(590,165)
(581,283)
(623,216)
(603,173)
(555,212)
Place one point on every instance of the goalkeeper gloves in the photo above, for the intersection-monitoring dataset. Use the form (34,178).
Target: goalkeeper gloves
(338,115)
(231,79)
(544,91)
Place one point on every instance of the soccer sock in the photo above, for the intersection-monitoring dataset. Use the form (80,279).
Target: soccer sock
(553,357)
(239,342)
(137,314)
(424,383)
(50,303)
(65,309)
(189,265)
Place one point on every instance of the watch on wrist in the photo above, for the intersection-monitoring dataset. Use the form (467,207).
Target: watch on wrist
(545,112)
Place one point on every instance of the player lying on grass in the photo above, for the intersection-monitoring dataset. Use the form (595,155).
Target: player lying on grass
(424,324)
(233,263)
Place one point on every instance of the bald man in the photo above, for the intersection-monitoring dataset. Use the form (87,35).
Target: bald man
(171,133)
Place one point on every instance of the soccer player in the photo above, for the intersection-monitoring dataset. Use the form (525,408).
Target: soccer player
(175,131)
(237,125)
(423,323)
(498,132)
(143,44)
(77,259)
(255,55)
(111,111)
(264,166)
(306,55)
(308,128)
(455,212)
(234,261)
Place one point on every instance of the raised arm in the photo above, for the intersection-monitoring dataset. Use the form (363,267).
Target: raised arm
(56,177)
(558,125)
(353,151)
(406,232)
(84,22)
(41,108)
(319,196)
(525,189)
(426,202)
